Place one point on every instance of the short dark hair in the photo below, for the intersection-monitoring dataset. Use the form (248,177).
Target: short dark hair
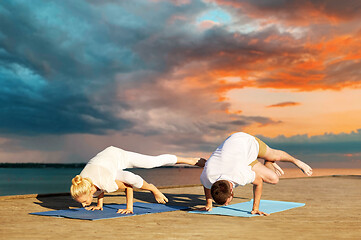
(221,191)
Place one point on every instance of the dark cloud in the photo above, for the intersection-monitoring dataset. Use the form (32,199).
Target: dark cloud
(344,73)
(52,110)
(298,12)
(59,62)
(342,143)
(223,50)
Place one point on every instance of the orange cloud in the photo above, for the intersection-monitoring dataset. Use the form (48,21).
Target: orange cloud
(331,64)
(284,104)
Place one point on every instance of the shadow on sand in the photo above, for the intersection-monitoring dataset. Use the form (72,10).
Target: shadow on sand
(180,199)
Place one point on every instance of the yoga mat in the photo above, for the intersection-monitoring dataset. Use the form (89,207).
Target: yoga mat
(110,211)
(244,209)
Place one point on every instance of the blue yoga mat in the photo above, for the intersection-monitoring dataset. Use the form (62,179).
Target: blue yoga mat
(110,211)
(244,209)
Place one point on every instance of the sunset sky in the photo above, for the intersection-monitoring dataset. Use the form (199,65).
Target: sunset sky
(157,76)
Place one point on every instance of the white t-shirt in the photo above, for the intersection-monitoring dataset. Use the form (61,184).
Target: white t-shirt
(107,166)
(230,161)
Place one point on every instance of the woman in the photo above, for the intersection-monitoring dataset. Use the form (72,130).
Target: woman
(104,173)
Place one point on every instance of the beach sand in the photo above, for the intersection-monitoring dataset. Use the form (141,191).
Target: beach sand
(332,211)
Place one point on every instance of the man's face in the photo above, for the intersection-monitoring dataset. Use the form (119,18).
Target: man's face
(85,199)
(231,197)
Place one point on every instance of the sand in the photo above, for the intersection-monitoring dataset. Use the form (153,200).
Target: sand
(332,211)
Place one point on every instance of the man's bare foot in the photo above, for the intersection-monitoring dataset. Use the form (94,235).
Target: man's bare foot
(274,167)
(304,167)
(278,170)
(159,197)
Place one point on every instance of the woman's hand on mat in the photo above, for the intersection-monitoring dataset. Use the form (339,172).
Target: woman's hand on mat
(259,212)
(125,211)
(94,208)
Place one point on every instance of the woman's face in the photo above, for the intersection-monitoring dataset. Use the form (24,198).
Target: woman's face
(85,199)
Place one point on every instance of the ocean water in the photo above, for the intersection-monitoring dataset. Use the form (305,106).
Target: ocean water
(17,181)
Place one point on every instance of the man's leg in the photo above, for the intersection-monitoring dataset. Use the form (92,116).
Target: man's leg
(274,167)
(268,175)
(273,155)
(269,164)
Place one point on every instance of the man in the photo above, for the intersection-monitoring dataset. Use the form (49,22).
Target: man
(235,163)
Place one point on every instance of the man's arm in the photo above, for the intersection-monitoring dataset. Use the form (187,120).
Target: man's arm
(209,203)
(257,192)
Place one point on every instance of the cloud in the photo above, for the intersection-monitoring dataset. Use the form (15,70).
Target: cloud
(29,105)
(295,12)
(181,102)
(340,150)
(59,62)
(344,143)
(284,104)
(126,72)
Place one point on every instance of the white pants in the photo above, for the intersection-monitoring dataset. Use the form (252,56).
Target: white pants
(107,166)
(137,160)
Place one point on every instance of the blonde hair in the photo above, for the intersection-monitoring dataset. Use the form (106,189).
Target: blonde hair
(80,186)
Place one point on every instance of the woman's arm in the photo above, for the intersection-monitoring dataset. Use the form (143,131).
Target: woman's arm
(99,205)
(100,201)
(129,197)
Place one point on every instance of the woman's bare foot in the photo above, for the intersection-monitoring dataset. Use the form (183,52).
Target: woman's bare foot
(200,162)
(304,167)
(159,197)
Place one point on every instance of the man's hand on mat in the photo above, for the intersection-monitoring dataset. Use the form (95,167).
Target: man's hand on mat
(206,208)
(94,208)
(125,211)
(259,212)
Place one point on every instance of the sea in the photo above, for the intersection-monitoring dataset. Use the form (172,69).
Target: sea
(45,179)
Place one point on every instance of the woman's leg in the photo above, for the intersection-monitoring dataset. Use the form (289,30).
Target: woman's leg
(137,160)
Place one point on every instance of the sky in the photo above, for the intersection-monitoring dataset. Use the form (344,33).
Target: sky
(157,76)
